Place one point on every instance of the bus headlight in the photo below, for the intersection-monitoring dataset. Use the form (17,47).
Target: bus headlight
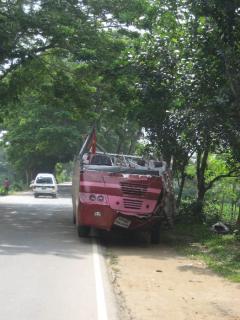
(92,197)
(100,198)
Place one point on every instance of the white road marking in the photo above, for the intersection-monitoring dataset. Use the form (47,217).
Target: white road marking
(100,295)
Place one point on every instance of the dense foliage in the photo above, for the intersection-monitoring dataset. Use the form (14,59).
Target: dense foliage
(168,66)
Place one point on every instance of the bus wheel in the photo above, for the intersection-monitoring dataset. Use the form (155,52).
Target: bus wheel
(155,234)
(83,231)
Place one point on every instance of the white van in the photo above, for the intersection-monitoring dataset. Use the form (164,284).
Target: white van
(45,184)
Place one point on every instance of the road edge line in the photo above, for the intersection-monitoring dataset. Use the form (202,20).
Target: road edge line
(100,294)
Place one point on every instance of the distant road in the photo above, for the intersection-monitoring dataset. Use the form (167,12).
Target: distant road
(46,271)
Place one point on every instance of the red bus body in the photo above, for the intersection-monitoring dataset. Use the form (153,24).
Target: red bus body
(109,199)
(120,191)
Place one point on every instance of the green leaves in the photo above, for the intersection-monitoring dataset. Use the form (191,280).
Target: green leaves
(169,66)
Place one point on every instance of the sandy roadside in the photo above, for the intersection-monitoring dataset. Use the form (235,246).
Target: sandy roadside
(154,282)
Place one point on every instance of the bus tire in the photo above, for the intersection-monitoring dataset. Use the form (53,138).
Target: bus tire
(83,231)
(155,234)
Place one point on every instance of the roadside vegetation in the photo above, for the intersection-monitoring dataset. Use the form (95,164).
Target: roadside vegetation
(221,253)
(196,238)
(155,77)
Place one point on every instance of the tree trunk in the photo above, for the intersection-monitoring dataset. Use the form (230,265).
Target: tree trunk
(200,202)
(134,140)
(222,204)
(181,186)
(27,177)
(202,157)
(119,145)
(233,201)
(238,218)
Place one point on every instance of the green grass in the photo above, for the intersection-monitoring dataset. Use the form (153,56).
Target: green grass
(221,253)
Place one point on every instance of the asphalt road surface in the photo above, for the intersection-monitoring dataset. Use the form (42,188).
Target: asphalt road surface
(46,271)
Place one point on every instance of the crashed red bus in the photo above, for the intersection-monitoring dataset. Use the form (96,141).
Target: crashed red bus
(120,191)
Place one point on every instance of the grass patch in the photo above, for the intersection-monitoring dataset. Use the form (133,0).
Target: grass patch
(221,253)
(112,261)
(111,257)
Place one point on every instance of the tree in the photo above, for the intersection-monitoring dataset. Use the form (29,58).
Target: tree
(59,98)
(182,87)
(30,136)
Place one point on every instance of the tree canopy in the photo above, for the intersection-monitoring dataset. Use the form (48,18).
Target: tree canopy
(170,67)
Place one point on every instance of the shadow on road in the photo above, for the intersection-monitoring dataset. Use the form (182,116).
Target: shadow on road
(39,226)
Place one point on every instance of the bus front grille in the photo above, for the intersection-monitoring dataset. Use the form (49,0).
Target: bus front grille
(133,188)
(132,203)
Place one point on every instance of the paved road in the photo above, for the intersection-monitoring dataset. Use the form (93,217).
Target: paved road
(46,272)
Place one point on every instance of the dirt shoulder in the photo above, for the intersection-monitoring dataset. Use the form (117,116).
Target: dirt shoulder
(155,282)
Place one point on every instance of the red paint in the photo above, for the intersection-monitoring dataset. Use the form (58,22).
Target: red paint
(131,196)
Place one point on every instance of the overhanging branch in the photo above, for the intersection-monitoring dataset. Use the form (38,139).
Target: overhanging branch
(233,174)
(29,55)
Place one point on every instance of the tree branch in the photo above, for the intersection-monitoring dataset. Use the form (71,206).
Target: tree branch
(29,55)
(226,175)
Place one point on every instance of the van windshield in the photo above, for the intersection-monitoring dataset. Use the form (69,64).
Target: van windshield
(44,180)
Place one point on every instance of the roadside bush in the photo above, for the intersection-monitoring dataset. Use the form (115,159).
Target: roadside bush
(212,212)
(219,252)
(63,172)
(2,192)
(188,213)
(18,186)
